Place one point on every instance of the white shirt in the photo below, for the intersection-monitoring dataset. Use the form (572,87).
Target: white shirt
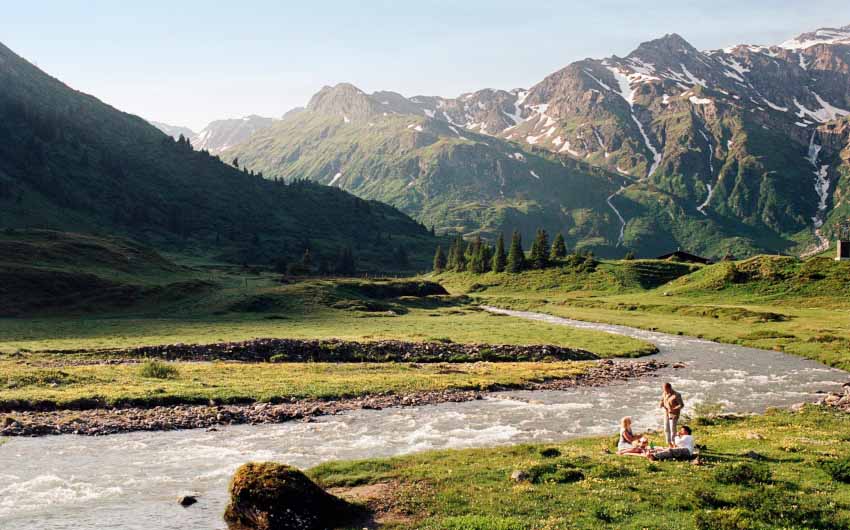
(685,442)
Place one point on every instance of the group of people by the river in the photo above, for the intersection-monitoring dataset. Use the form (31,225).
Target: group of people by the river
(679,439)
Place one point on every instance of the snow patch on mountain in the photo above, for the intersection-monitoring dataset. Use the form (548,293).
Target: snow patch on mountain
(821,36)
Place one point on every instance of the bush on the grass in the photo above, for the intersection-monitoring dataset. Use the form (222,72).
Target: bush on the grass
(742,473)
(158,370)
(838,469)
(560,471)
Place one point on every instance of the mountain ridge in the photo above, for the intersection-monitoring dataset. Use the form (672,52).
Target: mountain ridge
(723,135)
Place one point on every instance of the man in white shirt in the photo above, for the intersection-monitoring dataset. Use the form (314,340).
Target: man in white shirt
(684,449)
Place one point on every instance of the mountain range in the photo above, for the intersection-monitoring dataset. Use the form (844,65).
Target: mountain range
(70,162)
(739,150)
(220,135)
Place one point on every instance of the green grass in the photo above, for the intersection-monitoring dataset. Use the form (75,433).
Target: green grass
(575,486)
(766,302)
(226,382)
(308,309)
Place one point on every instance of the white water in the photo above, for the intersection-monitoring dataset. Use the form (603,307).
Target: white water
(131,481)
(822,189)
(619,215)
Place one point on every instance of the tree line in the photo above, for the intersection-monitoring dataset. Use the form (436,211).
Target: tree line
(478,256)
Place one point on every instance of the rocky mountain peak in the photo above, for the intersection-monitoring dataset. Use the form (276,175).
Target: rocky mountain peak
(669,45)
(344,100)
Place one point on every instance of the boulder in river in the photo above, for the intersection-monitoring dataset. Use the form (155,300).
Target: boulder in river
(270,496)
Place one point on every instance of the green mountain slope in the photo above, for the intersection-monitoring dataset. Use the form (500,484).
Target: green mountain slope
(71,162)
(443,175)
(719,151)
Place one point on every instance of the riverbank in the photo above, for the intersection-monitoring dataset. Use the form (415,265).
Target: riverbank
(29,420)
(766,302)
(783,469)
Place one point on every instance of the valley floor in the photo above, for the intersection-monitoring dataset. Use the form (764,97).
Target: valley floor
(802,318)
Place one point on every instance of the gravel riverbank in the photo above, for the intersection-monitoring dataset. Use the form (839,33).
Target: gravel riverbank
(104,421)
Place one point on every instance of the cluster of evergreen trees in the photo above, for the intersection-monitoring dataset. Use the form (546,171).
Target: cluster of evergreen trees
(479,257)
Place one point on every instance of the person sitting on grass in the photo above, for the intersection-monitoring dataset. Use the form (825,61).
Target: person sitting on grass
(629,443)
(683,450)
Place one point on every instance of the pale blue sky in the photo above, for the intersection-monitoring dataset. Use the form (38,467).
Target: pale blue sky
(189,62)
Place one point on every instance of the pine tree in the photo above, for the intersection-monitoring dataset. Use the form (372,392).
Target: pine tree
(473,255)
(439,260)
(540,250)
(460,256)
(630,255)
(559,248)
(499,258)
(307,259)
(516,256)
(236,162)
(486,258)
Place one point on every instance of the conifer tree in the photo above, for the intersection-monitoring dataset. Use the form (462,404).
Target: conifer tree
(516,256)
(486,258)
(540,250)
(559,248)
(473,255)
(630,255)
(307,259)
(439,260)
(460,255)
(500,260)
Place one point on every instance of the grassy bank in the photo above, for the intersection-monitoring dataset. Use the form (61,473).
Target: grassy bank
(765,302)
(786,483)
(186,382)
(345,309)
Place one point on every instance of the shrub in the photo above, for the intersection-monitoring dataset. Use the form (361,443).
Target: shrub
(158,370)
(742,473)
(838,469)
(722,520)
(560,471)
(612,471)
(550,452)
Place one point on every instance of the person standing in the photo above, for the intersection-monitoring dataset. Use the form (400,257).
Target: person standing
(672,403)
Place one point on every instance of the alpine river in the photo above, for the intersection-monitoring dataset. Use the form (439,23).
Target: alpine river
(132,481)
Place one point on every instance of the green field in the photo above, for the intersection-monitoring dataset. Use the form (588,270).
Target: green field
(794,480)
(767,302)
(225,382)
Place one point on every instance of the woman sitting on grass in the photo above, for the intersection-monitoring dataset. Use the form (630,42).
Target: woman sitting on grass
(629,443)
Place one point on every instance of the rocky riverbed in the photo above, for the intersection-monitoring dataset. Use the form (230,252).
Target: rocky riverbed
(334,350)
(838,400)
(117,420)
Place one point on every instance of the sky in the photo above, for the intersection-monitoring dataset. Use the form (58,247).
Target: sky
(190,62)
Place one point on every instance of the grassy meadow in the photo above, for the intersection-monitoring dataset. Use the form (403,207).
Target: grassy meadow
(226,382)
(767,302)
(782,470)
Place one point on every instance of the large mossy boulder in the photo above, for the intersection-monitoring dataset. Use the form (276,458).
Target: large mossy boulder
(269,496)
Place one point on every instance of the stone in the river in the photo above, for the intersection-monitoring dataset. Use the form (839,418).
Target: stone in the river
(187,500)
(269,496)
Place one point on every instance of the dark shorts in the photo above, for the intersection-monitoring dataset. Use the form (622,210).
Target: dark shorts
(678,453)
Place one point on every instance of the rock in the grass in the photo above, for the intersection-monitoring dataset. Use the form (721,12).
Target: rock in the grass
(520,476)
(754,436)
(269,496)
(187,500)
